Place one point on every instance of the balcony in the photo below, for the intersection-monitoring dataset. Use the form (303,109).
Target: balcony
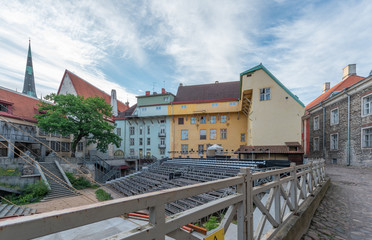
(161,134)
(162,145)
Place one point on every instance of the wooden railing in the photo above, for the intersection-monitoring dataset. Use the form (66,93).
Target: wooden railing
(261,210)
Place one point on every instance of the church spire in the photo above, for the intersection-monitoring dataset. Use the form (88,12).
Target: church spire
(29,83)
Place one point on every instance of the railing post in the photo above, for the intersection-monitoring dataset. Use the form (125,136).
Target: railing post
(157,219)
(311,180)
(277,209)
(250,209)
(294,187)
(242,207)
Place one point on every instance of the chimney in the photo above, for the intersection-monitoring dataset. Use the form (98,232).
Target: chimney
(326,86)
(163,91)
(147,93)
(181,84)
(127,103)
(348,71)
(216,82)
(114,103)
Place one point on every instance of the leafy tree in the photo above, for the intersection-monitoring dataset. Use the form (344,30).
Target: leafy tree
(83,118)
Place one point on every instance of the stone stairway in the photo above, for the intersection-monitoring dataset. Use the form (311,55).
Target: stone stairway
(7,210)
(57,190)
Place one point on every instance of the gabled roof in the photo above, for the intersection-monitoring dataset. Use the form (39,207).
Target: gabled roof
(338,87)
(260,66)
(213,92)
(23,107)
(127,113)
(85,89)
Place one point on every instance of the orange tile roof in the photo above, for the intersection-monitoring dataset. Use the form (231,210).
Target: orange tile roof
(338,87)
(85,89)
(22,106)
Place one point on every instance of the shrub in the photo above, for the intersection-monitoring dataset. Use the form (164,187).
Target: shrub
(78,183)
(31,193)
(211,224)
(102,195)
(9,172)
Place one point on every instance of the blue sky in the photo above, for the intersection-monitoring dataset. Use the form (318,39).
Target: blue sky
(134,46)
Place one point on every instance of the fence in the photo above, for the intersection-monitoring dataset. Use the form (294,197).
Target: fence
(261,210)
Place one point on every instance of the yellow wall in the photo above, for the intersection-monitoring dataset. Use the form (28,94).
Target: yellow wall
(236,123)
(275,121)
(199,108)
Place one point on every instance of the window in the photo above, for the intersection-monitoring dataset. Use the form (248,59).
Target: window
(193,120)
(316,144)
(162,121)
(334,141)
(183,106)
(80,147)
(162,151)
(131,130)
(180,121)
(316,123)
(367,137)
(223,133)
(65,146)
(214,104)
(131,152)
(264,94)
(166,99)
(203,119)
(118,131)
(3,108)
(144,109)
(158,108)
(140,142)
(223,118)
(162,141)
(201,149)
(233,103)
(367,105)
(184,148)
(184,134)
(140,130)
(148,129)
(213,134)
(131,142)
(148,141)
(334,116)
(242,137)
(213,119)
(203,134)
(55,146)
(162,130)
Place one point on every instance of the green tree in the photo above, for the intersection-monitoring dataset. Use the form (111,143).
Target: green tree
(83,118)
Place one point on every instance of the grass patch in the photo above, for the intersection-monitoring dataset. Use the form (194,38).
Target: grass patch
(15,187)
(30,194)
(102,195)
(78,183)
(9,172)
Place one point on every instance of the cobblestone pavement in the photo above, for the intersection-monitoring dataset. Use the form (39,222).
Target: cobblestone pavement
(346,210)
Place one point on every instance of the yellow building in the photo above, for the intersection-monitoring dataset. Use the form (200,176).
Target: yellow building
(207,114)
(274,113)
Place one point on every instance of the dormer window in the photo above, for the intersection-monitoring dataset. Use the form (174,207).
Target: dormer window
(3,107)
(6,106)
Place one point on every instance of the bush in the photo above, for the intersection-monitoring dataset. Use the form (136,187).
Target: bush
(30,194)
(211,224)
(9,172)
(102,195)
(78,183)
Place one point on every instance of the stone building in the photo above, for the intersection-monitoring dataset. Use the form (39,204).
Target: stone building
(337,126)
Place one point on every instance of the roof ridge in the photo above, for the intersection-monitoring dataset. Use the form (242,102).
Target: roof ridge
(208,84)
(20,93)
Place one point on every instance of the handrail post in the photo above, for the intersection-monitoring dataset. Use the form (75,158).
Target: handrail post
(242,206)
(294,187)
(311,180)
(250,209)
(157,219)
(277,209)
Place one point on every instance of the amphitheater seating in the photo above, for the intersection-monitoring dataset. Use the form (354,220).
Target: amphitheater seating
(177,173)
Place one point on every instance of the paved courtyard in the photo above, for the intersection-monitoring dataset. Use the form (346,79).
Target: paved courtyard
(346,210)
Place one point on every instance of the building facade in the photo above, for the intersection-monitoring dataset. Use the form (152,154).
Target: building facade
(337,126)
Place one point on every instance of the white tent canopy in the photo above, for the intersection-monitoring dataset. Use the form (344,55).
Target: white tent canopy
(215,150)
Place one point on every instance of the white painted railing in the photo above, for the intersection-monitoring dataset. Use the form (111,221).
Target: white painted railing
(287,193)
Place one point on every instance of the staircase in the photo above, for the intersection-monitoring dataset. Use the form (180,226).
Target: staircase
(7,210)
(57,189)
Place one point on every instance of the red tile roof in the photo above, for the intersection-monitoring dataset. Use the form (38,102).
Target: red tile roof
(338,87)
(83,88)
(266,149)
(23,106)
(223,91)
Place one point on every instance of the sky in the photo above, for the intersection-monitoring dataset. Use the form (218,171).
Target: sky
(138,46)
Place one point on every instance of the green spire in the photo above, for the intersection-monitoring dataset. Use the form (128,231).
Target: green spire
(29,82)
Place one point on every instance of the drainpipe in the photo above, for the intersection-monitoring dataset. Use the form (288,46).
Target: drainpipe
(348,130)
(323,131)
(172,124)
